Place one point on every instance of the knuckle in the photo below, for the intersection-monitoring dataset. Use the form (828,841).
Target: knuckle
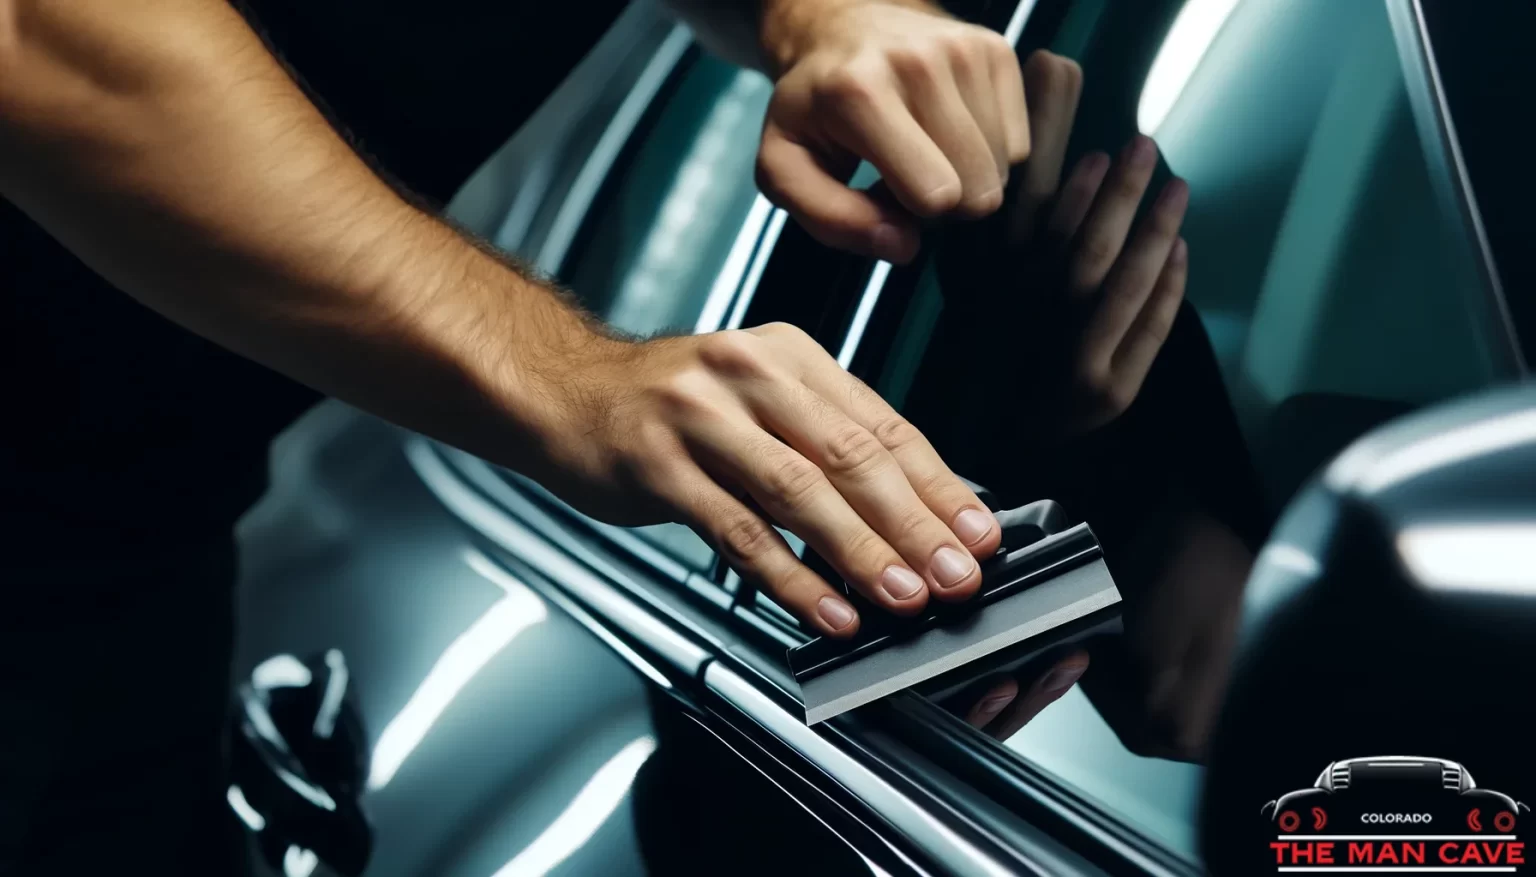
(961,51)
(781,331)
(746,539)
(1094,378)
(896,433)
(793,481)
(769,181)
(913,527)
(997,45)
(1093,253)
(686,393)
(865,549)
(853,450)
(847,86)
(1118,397)
(735,354)
(1045,73)
(917,62)
(940,484)
(1073,73)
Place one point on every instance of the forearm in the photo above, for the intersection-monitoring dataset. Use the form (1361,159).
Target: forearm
(765,34)
(162,143)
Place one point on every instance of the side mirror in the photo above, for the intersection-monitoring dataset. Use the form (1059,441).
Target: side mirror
(1392,614)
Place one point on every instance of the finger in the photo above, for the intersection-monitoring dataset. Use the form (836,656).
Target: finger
(869,478)
(875,124)
(992,702)
(1150,330)
(1014,109)
(803,183)
(1076,199)
(1053,84)
(935,484)
(1045,691)
(797,494)
(937,104)
(758,553)
(1135,274)
(973,80)
(1103,232)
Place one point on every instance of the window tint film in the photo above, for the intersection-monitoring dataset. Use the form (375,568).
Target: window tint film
(663,227)
(1330,289)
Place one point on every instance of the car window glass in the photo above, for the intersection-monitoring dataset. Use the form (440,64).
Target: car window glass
(662,231)
(1329,291)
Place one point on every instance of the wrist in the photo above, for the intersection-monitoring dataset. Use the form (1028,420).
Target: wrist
(791,29)
(507,362)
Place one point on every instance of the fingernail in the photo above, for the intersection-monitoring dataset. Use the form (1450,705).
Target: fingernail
(1180,251)
(951,566)
(900,582)
(835,612)
(973,525)
(1061,679)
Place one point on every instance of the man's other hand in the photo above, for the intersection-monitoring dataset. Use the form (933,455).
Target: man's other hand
(935,104)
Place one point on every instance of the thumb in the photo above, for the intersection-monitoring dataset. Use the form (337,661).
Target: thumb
(806,184)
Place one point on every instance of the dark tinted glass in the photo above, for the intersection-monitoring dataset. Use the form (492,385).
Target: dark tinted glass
(1330,289)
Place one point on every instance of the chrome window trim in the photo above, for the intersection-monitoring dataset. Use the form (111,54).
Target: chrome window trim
(770,239)
(718,306)
(919,826)
(1057,797)
(1437,135)
(530,546)
(594,171)
(862,313)
(495,485)
(607,609)
(1015,28)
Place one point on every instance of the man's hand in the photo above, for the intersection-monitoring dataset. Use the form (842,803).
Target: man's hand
(164,145)
(731,431)
(1094,291)
(937,105)
(1008,703)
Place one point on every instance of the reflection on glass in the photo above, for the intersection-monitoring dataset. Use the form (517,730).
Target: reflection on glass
(243,809)
(1192,32)
(1328,291)
(657,242)
(280,671)
(299,862)
(472,650)
(671,264)
(1495,558)
(586,813)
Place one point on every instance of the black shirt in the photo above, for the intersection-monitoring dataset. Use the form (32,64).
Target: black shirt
(132,446)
